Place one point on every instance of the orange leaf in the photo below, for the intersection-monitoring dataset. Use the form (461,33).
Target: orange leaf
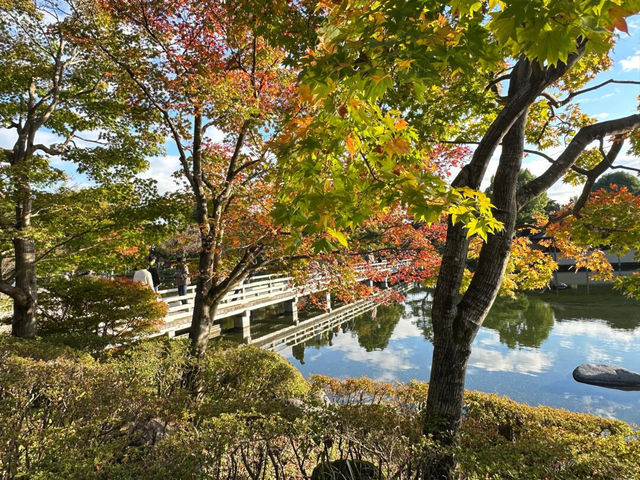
(401,124)
(618,15)
(621,24)
(350,146)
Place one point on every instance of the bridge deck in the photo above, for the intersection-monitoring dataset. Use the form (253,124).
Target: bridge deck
(252,294)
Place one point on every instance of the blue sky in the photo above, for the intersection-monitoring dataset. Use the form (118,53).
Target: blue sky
(612,101)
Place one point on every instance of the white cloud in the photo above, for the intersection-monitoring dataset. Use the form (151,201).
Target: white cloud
(161,169)
(528,362)
(566,344)
(596,355)
(406,328)
(215,135)
(630,63)
(393,359)
(8,137)
(618,339)
(602,116)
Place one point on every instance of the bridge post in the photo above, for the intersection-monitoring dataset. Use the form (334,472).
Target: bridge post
(244,322)
(291,308)
(328,300)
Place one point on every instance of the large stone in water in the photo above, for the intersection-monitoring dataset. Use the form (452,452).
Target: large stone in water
(609,376)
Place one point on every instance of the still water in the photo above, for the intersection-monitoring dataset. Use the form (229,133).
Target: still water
(526,349)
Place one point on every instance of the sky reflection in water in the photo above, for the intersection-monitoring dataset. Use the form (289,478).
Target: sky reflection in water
(526,349)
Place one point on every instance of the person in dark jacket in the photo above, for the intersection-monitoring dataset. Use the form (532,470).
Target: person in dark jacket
(153,270)
(182,278)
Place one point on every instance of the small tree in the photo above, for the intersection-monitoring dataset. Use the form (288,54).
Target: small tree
(620,179)
(92,313)
(60,103)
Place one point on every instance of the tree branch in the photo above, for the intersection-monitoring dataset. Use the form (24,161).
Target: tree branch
(572,95)
(566,160)
(13,292)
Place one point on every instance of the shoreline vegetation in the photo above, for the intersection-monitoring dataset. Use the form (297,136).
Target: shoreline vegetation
(65,414)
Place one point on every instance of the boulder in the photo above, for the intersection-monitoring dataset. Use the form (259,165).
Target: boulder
(346,470)
(147,431)
(609,376)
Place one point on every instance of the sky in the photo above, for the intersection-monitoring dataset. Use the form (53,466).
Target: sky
(609,102)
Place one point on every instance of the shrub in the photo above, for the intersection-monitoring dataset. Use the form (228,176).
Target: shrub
(66,415)
(91,313)
(245,378)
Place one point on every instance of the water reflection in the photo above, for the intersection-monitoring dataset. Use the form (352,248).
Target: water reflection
(374,329)
(526,349)
(522,321)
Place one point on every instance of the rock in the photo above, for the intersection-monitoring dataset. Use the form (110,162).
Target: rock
(148,431)
(346,470)
(609,376)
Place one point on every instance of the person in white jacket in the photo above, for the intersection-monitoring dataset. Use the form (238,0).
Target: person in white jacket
(143,276)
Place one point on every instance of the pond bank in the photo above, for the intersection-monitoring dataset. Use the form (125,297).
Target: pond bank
(527,349)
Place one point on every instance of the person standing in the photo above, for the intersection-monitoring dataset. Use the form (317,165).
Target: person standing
(153,270)
(182,278)
(143,276)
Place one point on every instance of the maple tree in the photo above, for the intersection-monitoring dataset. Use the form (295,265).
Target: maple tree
(63,110)
(395,80)
(218,76)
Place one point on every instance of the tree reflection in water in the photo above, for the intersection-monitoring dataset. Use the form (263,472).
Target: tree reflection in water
(374,329)
(523,321)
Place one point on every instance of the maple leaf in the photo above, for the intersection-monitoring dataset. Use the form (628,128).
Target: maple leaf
(397,146)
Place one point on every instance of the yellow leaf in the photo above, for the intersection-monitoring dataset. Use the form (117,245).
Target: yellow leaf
(404,63)
(339,236)
(398,146)
(378,78)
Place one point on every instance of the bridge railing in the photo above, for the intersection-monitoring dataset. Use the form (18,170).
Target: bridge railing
(258,287)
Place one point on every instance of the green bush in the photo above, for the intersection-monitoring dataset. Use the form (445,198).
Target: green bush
(247,378)
(91,313)
(66,415)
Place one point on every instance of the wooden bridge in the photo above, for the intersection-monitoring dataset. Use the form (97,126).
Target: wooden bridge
(255,293)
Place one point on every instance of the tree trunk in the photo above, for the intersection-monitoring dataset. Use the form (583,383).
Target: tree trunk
(203,309)
(24,306)
(456,323)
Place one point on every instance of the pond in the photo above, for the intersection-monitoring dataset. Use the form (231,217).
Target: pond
(526,349)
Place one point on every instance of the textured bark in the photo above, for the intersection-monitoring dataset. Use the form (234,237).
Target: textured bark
(201,318)
(25,303)
(24,307)
(456,321)
(202,309)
